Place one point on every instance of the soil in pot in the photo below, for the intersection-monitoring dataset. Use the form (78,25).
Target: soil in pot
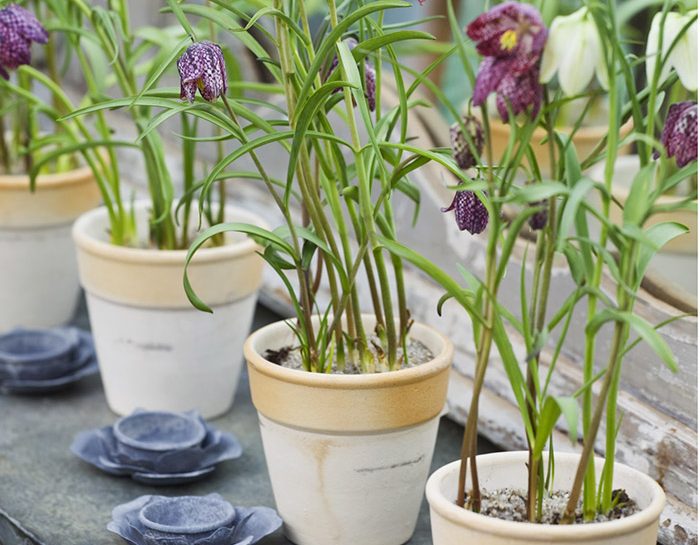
(511,504)
(418,353)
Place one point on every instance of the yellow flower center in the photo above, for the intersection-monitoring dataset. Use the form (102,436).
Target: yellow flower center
(509,39)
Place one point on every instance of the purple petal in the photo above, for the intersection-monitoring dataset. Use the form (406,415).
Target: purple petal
(202,67)
(680,134)
(521,93)
(470,213)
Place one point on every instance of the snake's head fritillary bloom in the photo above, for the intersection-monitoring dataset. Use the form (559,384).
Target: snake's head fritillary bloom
(538,220)
(574,50)
(370,76)
(462,152)
(680,134)
(202,67)
(512,37)
(512,31)
(679,48)
(470,213)
(18,29)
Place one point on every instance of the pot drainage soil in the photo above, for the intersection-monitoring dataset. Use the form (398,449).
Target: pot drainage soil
(510,504)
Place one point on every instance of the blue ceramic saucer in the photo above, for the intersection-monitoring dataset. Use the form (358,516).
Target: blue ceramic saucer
(100,448)
(191,520)
(146,434)
(34,354)
(83,364)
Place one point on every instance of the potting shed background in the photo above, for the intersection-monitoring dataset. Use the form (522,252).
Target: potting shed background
(659,430)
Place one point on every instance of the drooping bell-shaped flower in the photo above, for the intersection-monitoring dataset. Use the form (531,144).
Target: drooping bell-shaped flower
(574,50)
(681,30)
(470,213)
(370,76)
(680,134)
(18,29)
(202,67)
(512,37)
(511,31)
(538,220)
(461,150)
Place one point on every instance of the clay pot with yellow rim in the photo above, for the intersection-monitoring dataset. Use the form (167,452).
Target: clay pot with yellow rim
(155,350)
(38,278)
(454,525)
(348,455)
(585,140)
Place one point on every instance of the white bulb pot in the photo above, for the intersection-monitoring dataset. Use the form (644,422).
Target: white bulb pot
(348,455)
(454,525)
(155,350)
(39,277)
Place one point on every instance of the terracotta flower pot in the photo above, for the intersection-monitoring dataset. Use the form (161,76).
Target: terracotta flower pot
(348,454)
(454,525)
(155,350)
(585,140)
(676,262)
(39,278)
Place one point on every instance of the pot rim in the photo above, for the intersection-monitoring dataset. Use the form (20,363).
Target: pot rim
(88,243)
(594,133)
(597,530)
(54,180)
(346,382)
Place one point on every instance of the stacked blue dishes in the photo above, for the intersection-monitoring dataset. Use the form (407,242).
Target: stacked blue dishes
(191,520)
(44,360)
(157,447)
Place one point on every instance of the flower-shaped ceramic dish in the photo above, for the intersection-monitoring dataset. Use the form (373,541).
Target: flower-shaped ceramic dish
(32,354)
(191,520)
(148,434)
(83,364)
(101,449)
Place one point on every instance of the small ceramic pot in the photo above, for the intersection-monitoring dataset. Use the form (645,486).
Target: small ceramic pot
(39,354)
(454,525)
(156,351)
(348,454)
(39,277)
(585,140)
(155,432)
(195,517)
(676,262)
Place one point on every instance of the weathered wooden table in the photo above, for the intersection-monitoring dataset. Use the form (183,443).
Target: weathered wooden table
(48,496)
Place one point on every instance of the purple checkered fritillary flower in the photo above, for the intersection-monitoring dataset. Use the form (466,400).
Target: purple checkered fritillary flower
(18,29)
(511,37)
(202,67)
(461,150)
(680,134)
(370,76)
(470,213)
(538,220)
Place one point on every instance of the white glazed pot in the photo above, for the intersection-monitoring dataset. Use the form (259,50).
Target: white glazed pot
(155,350)
(348,455)
(39,277)
(454,525)
(676,262)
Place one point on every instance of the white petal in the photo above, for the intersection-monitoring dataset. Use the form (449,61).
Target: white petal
(684,56)
(550,57)
(596,47)
(578,63)
(557,43)
(652,52)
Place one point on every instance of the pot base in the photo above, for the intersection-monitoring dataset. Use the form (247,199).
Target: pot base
(170,359)
(348,489)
